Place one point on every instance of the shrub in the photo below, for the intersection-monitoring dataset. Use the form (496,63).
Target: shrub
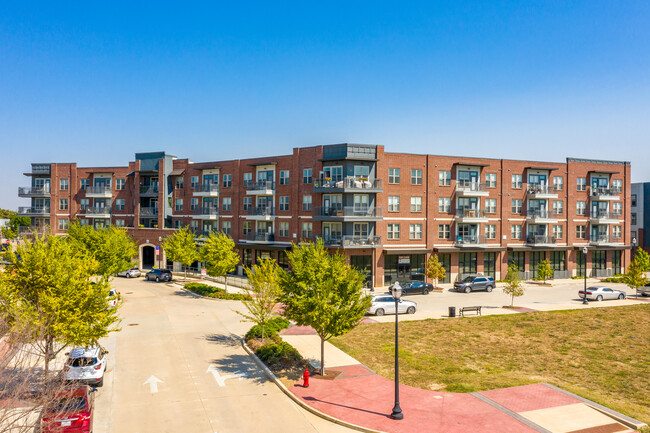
(278,353)
(618,278)
(271,329)
(214,292)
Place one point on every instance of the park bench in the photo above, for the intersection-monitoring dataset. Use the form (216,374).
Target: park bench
(464,310)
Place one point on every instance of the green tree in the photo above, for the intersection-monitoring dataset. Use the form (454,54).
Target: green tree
(264,290)
(6,214)
(642,259)
(49,293)
(513,286)
(435,270)
(544,270)
(218,253)
(12,229)
(322,291)
(635,275)
(181,247)
(111,247)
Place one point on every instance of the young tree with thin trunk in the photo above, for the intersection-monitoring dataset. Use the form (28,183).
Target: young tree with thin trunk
(181,247)
(635,277)
(544,270)
(513,286)
(219,255)
(322,291)
(642,260)
(435,270)
(264,290)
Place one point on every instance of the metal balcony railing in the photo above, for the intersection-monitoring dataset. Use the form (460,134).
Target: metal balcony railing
(206,187)
(539,213)
(28,210)
(605,239)
(148,212)
(540,239)
(262,211)
(98,211)
(98,189)
(471,240)
(148,189)
(604,191)
(259,185)
(207,210)
(538,188)
(465,212)
(360,241)
(606,215)
(260,237)
(350,182)
(34,190)
(469,186)
(202,232)
(348,211)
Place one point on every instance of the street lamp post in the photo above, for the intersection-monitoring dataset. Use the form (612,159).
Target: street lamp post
(159,252)
(584,297)
(397,411)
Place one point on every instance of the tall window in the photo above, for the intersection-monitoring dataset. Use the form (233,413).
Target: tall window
(516,181)
(393,203)
(393,175)
(227,203)
(558,231)
(581,208)
(633,200)
(581,183)
(84,183)
(307,230)
(491,231)
(306,202)
(119,204)
(63,204)
(491,180)
(515,231)
(119,222)
(284,202)
(284,177)
(227,180)
(558,183)
(581,232)
(360,230)
(194,181)
(617,208)
(416,204)
(415,231)
(119,184)
(393,231)
(517,258)
(247,227)
(284,229)
(616,232)
(226,226)
(617,185)
(64,184)
(467,263)
(248,203)
(444,178)
(558,260)
(516,206)
(444,231)
(633,219)
(179,204)
(490,264)
(194,204)
(306,176)
(558,207)
(444,204)
(83,203)
(491,205)
(63,224)
(248,178)
(416,177)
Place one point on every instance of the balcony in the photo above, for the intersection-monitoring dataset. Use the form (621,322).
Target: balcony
(261,213)
(605,193)
(539,191)
(31,231)
(34,191)
(260,237)
(202,233)
(34,211)
(98,212)
(348,184)
(347,213)
(99,191)
(148,212)
(540,240)
(206,213)
(149,190)
(260,187)
(605,239)
(604,217)
(350,241)
(206,190)
(471,241)
(466,188)
(539,216)
(466,215)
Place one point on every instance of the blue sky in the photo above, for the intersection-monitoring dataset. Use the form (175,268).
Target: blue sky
(540,80)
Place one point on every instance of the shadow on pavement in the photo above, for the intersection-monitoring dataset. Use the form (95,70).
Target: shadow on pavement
(238,364)
(224,340)
(347,407)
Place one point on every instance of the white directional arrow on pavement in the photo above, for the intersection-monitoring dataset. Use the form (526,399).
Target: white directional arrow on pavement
(153,382)
(221,380)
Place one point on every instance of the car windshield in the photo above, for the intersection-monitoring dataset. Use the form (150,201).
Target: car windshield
(68,404)
(468,279)
(82,362)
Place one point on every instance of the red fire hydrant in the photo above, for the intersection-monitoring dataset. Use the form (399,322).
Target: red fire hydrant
(305,377)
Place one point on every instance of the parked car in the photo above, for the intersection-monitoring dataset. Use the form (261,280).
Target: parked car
(385,304)
(413,287)
(131,273)
(112,298)
(71,410)
(86,365)
(598,293)
(158,275)
(645,290)
(472,283)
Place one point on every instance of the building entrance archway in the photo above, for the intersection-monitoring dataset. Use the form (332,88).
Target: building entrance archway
(147,256)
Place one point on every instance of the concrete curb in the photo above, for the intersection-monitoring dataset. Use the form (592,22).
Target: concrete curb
(301,403)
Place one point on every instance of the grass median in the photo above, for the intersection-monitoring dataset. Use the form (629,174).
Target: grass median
(602,354)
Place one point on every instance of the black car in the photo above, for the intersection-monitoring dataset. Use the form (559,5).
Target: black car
(158,275)
(413,287)
(473,283)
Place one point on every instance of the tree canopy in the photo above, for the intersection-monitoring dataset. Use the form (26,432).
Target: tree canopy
(513,286)
(218,253)
(435,270)
(11,230)
(544,270)
(181,247)
(264,290)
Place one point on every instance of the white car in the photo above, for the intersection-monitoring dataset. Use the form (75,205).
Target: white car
(112,298)
(598,293)
(86,365)
(385,304)
(131,273)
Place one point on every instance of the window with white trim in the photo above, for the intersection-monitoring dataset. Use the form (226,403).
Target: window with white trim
(415,231)
(444,204)
(393,203)
(416,204)
(393,175)
(393,231)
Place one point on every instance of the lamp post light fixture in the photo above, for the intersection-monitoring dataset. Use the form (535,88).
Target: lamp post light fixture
(397,411)
(584,298)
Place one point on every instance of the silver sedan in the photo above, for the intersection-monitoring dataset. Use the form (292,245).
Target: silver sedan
(599,293)
(385,304)
(131,273)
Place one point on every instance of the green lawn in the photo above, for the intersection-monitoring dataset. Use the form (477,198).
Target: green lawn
(602,354)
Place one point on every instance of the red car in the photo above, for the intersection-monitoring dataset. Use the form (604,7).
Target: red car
(70,411)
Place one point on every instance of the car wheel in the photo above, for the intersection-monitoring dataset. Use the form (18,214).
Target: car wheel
(410,310)
(379,312)
(488,288)
(468,289)
(621,296)
(100,383)
(425,291)
(128,275)
(157,279)
(599,298)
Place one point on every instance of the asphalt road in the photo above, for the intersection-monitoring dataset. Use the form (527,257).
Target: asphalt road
(177,366)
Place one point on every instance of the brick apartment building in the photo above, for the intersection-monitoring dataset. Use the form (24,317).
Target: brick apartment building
(386,212)
(640,216)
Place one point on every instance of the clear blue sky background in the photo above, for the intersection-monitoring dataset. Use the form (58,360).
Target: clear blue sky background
(541,80)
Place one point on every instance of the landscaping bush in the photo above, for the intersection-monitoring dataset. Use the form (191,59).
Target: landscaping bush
(214,292)
(271,329)
(617,278)
(277,354)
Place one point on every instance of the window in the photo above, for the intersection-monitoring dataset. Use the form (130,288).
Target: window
(227,203)
(416,204)
(444,231)
(393,203)
(582,183)
(633,220)
(227,180)
(247,227)
(518,259)
(84,183)
(515,231)
(179,204)
(558,183)
(248,179)
(248,203)
(616,232)
(226,226)
(284,177)
(307,230)
(617,208)
(360,230)
(467,263)
(194,181)
(516,181)
(491,180)
(284,202)
(306,202)
(119,184)
(393,175)
(444,178)
(393,231)
(194,204)
(119,222)
(306,176)
(415,231)
(179,182)
(178,224)
(359,171)
(491,205)
(581,208)
(83,203)
(633,200)
(581,232)
(558,232)
(444,204)
(63,224)
(119,204)
(516,206)
(617,185)
(558,207)
(416,177)
(558,260)
(491,231)
(284,229)
(64,187)
(63,204)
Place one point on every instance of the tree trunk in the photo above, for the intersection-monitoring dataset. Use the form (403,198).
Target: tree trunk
(225,282)
(262,332)
(322,356)
(512,301)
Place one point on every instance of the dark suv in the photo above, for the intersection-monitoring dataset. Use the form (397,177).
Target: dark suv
(158,275)
(473,283)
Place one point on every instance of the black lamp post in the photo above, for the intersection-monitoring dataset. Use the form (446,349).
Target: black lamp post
(397,411)
(584,298)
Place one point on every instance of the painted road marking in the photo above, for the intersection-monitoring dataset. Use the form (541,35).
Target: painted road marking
(153,382)
(221,380)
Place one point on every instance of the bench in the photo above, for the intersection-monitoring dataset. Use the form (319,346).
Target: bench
(464,310)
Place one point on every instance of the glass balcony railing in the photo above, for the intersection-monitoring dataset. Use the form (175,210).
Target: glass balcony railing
(206,187)
(260,237)
(261,211)
(259,185)
(471,239)
(348,211)
(350,182)
(540,239)
(464,212)
(151,212)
